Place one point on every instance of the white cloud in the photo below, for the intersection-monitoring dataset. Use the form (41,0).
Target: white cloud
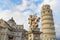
(23,6)
(19,17)
(5,14)
(22,18)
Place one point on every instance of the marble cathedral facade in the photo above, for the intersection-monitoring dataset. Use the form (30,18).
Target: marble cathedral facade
(11,31)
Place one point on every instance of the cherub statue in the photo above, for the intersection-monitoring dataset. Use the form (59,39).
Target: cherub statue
(33,21)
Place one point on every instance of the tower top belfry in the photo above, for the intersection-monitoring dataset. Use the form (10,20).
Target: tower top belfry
(45,6)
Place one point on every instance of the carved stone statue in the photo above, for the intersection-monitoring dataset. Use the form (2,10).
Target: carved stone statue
(33,21)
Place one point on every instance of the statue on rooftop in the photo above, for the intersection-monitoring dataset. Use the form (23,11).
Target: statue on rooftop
(33,21)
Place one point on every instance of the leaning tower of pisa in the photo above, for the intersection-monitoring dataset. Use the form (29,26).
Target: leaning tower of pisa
(48,29)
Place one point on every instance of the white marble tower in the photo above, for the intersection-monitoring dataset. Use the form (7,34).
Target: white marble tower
(48,28)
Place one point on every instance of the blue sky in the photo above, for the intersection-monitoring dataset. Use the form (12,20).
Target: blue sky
(21,9)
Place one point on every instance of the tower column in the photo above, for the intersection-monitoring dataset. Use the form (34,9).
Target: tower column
(34,32)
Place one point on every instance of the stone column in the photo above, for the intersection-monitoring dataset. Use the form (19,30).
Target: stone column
(4,35)
(34,32)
